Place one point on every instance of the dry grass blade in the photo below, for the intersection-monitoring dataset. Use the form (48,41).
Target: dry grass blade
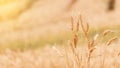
(77,28)
(92,43)
(72,24)
(106,32)
(75,40)
(92,49)
(87,27)
(111,40)
(81,23)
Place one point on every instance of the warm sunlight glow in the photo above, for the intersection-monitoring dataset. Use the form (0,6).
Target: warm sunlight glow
(11,8)
(3,2)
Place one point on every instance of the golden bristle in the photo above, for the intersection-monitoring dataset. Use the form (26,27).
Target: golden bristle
(87,27)
(111,40)
(77,28)
(106,32)
(75,40)
(72,23)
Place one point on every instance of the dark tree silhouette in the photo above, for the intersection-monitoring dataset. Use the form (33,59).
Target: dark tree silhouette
(111,5)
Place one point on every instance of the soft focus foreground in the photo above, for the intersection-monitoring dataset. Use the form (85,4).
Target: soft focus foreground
(55,57)
(36,34)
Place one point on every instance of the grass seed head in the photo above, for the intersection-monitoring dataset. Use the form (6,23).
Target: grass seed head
(95,37)
(75,40)
(77,26)
(106,32)
(92,49)
(111,40)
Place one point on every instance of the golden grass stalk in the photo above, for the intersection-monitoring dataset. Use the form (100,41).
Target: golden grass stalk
(85,31)
(67,58)
(73,43)
(74,31)
(90,44)
(74,52)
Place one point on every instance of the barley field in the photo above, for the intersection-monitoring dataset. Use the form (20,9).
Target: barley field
(59,34)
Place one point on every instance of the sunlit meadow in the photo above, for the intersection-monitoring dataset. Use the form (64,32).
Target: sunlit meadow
(59,34)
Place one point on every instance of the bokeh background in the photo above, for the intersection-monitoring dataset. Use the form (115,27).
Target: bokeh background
(37,34)
(33,23)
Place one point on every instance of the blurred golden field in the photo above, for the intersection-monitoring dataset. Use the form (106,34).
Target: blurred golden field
(12,8)
(37,34)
